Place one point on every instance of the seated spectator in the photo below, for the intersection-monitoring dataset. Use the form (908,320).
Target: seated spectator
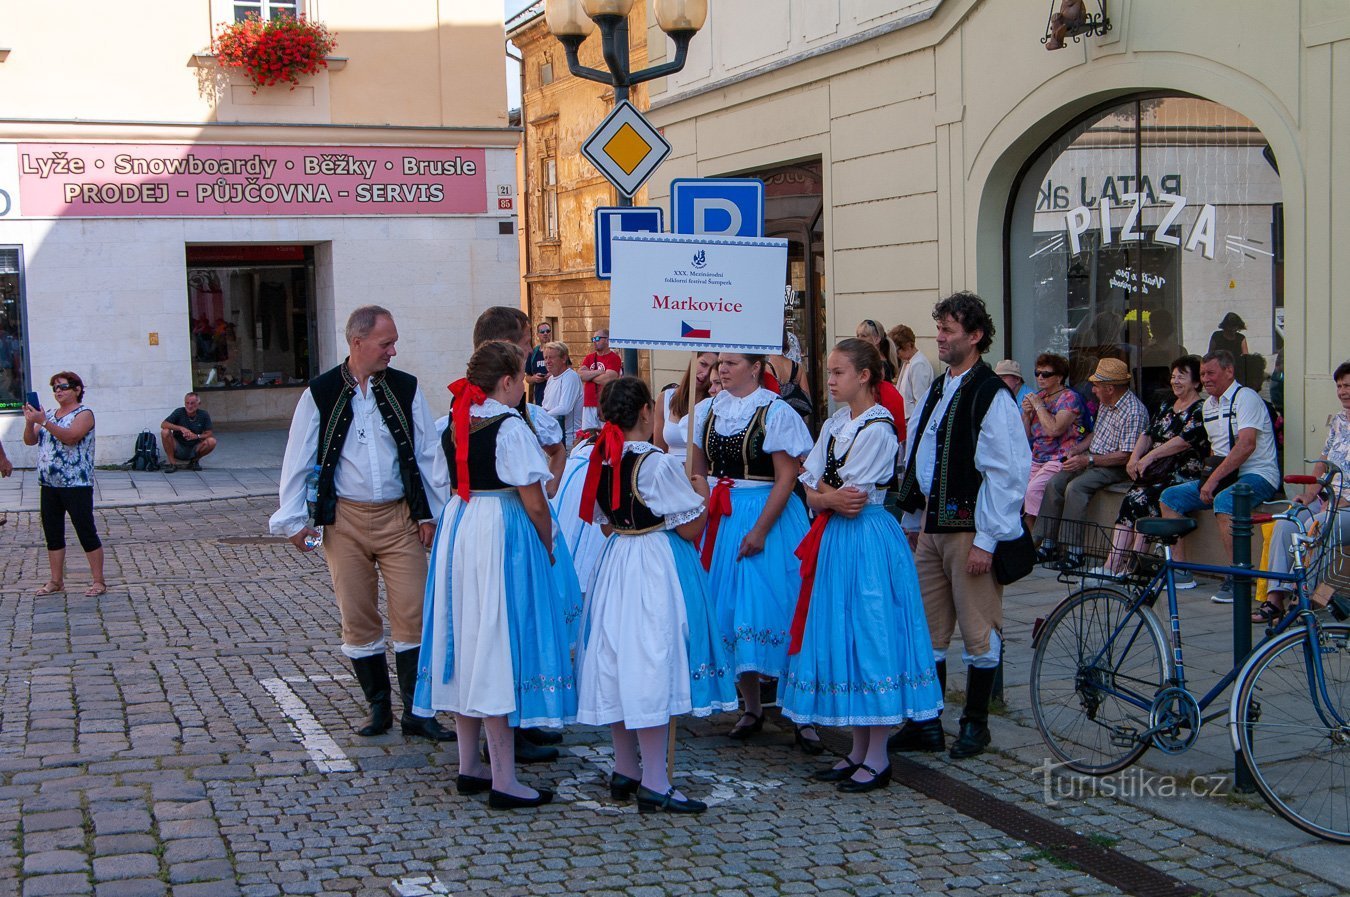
(1050,417)
(1242,446)
(1011,373)
(1098,464)
(562,391)
(1170,449)
(1337,451)
(187,435)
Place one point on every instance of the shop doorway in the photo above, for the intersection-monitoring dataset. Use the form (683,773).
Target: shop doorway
(1136,232)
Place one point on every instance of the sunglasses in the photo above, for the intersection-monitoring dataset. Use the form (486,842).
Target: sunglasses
(545,330)
(1045,373)
(596,339)
(62,387)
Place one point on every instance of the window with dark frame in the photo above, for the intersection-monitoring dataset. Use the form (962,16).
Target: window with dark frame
(14,376)
(265,9)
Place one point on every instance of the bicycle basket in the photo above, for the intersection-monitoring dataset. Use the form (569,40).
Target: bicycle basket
(1083,550)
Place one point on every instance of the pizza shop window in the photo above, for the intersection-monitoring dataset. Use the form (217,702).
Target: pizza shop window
(13,346)
(251,311)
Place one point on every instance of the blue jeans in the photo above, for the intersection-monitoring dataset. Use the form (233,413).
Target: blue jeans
(1185,497)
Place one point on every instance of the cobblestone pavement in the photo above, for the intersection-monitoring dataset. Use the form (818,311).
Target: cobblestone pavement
(172,737)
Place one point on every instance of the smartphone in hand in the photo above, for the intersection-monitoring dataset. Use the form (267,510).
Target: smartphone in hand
(32,400)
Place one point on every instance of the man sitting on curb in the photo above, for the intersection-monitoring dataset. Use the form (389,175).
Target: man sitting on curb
(1096,463)
(1242,439)
(186,435)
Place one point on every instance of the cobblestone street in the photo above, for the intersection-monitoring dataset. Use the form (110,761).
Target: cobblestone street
(190,733)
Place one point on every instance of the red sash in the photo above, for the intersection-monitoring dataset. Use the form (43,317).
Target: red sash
(466,396)
(608,450)
(808,552)
(719,506)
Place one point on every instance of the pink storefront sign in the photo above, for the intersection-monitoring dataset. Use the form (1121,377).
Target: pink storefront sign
(95,180)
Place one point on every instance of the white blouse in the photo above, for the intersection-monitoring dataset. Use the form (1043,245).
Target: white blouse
(871,451)
(784,430)
(520,461)
(662,486)
(562,398)
(546,426)
(675,433)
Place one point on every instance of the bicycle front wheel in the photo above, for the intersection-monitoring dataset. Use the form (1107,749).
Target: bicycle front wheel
(1098,663)
(1294,734)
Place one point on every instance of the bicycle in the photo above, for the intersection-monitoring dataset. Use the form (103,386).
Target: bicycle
(1108,681)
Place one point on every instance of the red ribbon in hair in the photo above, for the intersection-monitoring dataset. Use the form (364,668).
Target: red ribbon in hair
(892,401)
(770,382)
(719,506)
(608,450)
(466,396)
(808,552)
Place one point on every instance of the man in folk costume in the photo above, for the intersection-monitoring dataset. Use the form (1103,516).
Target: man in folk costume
(368,429)
(962,494)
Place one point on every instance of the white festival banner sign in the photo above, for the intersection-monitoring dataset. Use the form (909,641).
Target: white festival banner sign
(697,293)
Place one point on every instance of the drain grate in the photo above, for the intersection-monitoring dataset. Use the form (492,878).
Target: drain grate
(1102,863)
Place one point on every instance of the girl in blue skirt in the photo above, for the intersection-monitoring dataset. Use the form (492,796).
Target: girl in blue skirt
(861,655)
(649,648)
(494,642)
(750,441)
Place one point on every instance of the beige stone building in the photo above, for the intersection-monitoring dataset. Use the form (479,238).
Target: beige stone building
(164,226)
(928,146)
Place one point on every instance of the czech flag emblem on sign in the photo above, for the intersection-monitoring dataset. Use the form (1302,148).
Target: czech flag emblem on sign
(695,330)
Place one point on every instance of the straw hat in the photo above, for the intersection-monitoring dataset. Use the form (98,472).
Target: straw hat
(1111,370)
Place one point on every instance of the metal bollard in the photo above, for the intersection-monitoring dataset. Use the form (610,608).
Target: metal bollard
(1242,608)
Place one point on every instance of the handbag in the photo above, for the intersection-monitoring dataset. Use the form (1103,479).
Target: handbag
(1014,558)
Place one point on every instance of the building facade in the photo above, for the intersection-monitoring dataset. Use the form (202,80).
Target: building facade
(167,226)
(560,189)
(1119,196)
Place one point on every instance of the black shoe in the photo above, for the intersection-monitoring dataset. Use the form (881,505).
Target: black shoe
(974,738)
(622,787)
(528,753)
(542,737)
(836,773)
(650,801)
(373,674)
(472,784)
(1072,560)
(1046,553)
(915,737)
(194,464)
(426,727)
(878,780)
(810,746)
(498,800)
(743,730)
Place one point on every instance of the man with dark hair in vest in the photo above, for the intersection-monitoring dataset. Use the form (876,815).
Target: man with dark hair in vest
(967,476)
(368,430)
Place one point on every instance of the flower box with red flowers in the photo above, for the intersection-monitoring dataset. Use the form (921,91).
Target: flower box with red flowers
(282,48)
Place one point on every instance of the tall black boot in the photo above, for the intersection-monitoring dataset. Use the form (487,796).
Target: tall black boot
(974,737)
(426,726)
(927,736)
(373,674)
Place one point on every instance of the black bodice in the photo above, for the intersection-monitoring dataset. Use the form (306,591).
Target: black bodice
(833,464)
(740,456)
(482,453)
(632,516)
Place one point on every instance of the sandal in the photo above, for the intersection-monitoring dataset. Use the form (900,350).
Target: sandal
(52,587)
(1268,612)
(744,729)
(812,745)
(99,587)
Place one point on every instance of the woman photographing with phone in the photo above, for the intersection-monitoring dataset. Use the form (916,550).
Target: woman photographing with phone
(65,439)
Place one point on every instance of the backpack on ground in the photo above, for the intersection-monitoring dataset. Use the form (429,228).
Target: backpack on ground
(146,456)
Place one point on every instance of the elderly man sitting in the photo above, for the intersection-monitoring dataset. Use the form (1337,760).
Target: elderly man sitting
(187,435)
(1096,462)
(1242,439)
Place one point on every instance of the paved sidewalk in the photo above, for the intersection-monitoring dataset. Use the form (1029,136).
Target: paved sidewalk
(127,488)
(190,734)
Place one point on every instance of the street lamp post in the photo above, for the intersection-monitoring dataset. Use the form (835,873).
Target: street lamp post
(572,21)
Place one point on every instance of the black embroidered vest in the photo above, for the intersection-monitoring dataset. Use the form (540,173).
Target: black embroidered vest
(482,454)
(632,517)
(956,481)
(394,391)
(740,456)
(833,464)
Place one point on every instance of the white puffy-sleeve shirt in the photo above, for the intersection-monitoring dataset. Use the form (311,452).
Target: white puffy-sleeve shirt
(662,486)
(869,451)
(520,461)
(784,430)
(546,426)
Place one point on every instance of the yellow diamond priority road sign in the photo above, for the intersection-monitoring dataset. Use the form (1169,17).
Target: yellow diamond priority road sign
(626,148)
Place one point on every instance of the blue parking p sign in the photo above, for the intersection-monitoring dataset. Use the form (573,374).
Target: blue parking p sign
(723,207)
(610,220)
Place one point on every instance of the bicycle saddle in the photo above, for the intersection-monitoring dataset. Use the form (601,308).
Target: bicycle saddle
(1164,529)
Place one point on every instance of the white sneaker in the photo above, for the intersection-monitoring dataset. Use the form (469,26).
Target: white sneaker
(1183,580)
(1225,593)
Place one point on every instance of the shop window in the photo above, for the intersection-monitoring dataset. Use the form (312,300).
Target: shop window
(1133,235)
(14,382)
(252,314)
(549,188)
(265,9)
